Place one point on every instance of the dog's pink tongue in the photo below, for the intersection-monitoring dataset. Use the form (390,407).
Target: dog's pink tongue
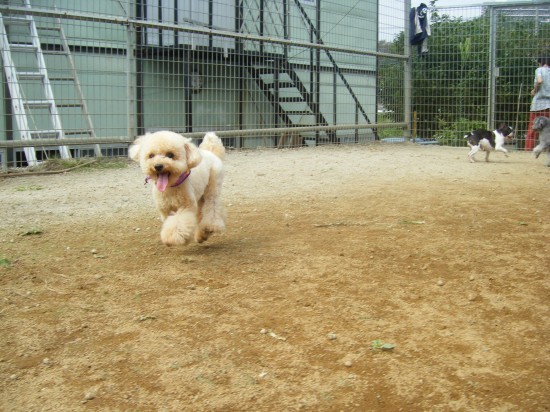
(162,182)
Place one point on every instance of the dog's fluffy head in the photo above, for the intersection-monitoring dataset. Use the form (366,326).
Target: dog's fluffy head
(540,123)
(164,156)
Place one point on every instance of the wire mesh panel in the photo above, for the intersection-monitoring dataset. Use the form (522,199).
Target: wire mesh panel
(259,72)
(391,79)
(85,78)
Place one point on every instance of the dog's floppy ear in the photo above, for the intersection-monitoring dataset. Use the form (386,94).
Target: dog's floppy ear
(193,155)
(133,151)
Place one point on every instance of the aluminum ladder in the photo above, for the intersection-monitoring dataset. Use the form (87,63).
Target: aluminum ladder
(45,107)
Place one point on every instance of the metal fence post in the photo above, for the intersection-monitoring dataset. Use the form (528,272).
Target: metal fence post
(493,69)
(131,78)
(407,76)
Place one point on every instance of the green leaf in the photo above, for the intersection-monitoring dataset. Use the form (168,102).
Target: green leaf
(412,222)
(377,344)
(32,231)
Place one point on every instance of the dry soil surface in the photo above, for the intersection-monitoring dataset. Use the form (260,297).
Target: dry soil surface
(352,278)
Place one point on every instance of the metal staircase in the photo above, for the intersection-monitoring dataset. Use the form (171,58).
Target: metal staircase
(34,106)
(278,78)
(293,103)
(314,30)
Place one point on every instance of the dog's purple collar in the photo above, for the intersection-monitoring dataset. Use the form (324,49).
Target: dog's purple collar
(181,179)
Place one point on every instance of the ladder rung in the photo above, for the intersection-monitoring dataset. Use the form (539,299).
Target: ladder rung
(74,132)
(62,79)
(69,105)
(37,104)
(30,76)
(54,52)
(25,47)
(44,134)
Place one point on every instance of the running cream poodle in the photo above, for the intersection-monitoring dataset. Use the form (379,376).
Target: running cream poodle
(188,182)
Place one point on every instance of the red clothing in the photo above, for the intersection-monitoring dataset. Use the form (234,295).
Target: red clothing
(532,136)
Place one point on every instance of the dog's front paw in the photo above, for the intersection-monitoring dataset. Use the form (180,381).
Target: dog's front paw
(178,229)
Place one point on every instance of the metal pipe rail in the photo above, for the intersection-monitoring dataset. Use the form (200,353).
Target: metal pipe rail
(189,29)
(10,144)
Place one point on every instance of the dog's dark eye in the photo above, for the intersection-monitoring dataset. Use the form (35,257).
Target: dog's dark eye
(170,155)
(151,155)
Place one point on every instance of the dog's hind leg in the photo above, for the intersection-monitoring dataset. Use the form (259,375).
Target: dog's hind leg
(541,148)
(211,211)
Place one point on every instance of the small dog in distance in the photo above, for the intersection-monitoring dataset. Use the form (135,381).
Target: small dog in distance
(488,141)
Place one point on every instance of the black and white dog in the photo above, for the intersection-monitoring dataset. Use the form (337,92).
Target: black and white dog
(541,124)
(488,141)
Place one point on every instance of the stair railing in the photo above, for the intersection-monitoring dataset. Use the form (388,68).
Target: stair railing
(314,30)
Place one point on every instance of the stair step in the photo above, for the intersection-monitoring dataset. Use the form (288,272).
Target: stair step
(283,85)
(298,113)
(264,70)
(13,20)
(296,99)
(30,76)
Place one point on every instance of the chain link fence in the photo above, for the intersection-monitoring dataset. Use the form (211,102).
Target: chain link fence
(85,78)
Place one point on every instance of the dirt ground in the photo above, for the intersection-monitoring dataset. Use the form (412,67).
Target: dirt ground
(387,277)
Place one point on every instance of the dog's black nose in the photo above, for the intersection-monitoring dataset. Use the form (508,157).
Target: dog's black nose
(159,168)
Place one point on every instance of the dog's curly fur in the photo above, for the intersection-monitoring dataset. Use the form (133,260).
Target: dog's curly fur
(192,207)
(541,124)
